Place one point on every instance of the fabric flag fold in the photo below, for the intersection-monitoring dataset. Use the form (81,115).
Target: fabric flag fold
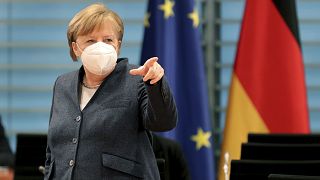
(172,34)
(267,92)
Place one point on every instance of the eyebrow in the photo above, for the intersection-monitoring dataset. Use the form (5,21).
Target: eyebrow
(88,36)
(109,36)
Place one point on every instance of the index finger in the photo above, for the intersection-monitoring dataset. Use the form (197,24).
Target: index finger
(150,62)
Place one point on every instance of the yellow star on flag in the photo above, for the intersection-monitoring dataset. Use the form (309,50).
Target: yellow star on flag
(201,139)
(194,16)
(146,20)
(167,8)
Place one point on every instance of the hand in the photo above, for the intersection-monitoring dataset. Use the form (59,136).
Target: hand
(151,70)
(6,173)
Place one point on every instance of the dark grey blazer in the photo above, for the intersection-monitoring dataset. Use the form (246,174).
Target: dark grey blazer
(109,138)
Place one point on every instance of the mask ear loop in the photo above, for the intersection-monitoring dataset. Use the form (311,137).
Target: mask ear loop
(79,47)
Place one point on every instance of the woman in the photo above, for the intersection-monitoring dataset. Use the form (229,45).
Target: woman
(101,113)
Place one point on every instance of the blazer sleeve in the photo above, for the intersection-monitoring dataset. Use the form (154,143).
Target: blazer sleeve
(159,112)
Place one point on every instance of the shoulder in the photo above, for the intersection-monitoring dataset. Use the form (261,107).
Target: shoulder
(124,62)
(66,77)
(122,71)
(133,66)
(67,81)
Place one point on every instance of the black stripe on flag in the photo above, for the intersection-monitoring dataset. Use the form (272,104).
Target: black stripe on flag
(287,9)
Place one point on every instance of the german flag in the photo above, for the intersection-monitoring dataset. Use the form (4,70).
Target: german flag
(267,92)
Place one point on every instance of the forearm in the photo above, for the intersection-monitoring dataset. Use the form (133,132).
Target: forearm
(161,110)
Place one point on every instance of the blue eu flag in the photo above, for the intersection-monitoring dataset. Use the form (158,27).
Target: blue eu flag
(172,34)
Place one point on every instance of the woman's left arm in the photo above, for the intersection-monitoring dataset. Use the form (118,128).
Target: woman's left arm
(156,100)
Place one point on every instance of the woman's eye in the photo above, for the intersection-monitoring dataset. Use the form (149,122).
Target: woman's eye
(108,40)
(90,41)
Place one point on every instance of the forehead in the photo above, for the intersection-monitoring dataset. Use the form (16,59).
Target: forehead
(106,28)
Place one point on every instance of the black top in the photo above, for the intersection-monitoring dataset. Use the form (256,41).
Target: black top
(171,162)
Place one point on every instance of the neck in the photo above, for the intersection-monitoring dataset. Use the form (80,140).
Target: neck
(92,79)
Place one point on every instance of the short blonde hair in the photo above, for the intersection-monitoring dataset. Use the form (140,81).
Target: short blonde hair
(89,18)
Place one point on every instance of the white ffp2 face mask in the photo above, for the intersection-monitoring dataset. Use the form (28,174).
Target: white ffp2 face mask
(99,58)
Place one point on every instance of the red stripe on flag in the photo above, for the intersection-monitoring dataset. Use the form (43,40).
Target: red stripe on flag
(269,66)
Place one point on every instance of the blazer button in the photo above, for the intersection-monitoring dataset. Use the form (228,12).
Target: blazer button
(74,140)
(78,118)
(71,163)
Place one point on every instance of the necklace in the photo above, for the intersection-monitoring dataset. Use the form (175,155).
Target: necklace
(84,83)
(90,87)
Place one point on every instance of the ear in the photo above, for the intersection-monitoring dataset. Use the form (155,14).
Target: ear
(76,49)
(119,47)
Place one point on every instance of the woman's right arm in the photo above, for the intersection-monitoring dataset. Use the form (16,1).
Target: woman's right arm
(48,151)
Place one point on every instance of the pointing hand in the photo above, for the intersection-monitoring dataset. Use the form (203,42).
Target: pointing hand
(151,70)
